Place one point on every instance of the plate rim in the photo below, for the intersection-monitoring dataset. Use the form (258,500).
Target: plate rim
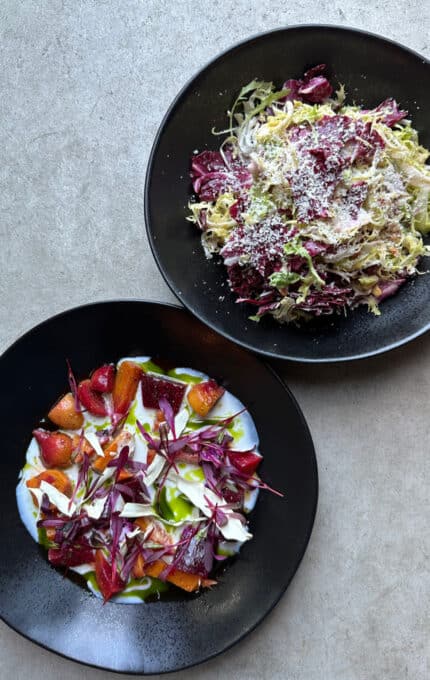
(146,192)
(315,499)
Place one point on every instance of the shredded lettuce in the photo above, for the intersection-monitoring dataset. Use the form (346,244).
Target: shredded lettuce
(369,236)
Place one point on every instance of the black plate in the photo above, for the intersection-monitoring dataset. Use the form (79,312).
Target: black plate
(372,69)
(168,635)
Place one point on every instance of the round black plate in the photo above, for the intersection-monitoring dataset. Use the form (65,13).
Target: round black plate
(167,635)
(372,69)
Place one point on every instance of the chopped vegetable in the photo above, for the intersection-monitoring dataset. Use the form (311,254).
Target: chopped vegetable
(92,401)
(102,380)
(55,448)
(245,461)
(182,579)
(56,478)
(125,386)
(122,439)
(203,396)
(154,389)
(65,415)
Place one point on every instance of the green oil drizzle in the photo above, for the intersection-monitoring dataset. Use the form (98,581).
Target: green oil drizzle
(90,577)
(224,552)
(196,475)
(43,539)
(156,586)
(164,508)
(102,426)
(173,505)
(151,367)
(131,418)
(185,377)
(236,432)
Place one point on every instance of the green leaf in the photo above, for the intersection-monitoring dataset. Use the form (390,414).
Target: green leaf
(295,247)
(267,101)
(283,278)
(253,85)
(261,90)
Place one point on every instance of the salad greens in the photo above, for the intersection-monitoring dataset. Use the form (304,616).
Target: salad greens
(315,206)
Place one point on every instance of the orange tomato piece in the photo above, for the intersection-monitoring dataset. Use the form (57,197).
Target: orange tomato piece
(125,386)
(100,463)
(158,534)
(181,579)
(65,415)
(85,447)
(56,478)
(203,396)
(138,569)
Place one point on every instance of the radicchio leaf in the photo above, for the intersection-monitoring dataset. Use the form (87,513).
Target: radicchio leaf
(168,414)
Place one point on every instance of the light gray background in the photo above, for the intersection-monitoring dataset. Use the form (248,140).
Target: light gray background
(83,88)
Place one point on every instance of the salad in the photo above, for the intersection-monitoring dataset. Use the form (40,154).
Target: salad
(141,478)
(315,206)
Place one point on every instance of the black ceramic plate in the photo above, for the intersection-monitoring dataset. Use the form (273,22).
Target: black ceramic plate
(372,69)
(172,634)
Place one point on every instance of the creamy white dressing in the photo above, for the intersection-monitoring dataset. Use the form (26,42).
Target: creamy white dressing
(190,476)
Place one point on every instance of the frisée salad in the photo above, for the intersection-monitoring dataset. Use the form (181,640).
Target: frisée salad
(141,478)
(314,205)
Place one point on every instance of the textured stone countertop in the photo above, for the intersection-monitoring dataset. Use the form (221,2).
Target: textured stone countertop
(84,85)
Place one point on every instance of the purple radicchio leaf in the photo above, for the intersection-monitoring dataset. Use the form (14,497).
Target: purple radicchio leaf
(168,414)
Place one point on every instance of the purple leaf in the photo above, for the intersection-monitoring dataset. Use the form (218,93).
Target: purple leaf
(391,114)
(388,288)
(316,90)
(73,387)
(169,416)
(152,442)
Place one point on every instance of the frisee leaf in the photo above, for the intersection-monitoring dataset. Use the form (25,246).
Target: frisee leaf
(295,247)
(283,278)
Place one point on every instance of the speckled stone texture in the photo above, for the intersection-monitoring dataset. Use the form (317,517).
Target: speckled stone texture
(84,85)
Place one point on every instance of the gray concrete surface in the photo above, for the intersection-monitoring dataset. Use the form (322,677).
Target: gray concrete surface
(83,87)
